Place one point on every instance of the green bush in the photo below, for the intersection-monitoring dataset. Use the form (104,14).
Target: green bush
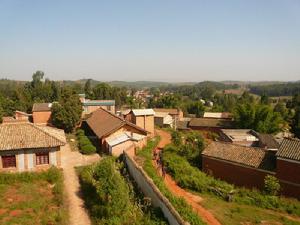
(88,149)
(110,199)
(272,186)
(84,144)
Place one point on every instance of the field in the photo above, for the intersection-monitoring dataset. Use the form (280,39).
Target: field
(32,198)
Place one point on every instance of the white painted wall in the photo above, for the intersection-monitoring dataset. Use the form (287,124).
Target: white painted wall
(21,161)
(52,157)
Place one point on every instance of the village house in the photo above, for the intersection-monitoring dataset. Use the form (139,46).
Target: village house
(19,116)
(210,124)
(247,166)
(237,164)
(163,119)
(176,114)
(90,106)
(143,118)
(26,146)
(248,137)
(41,113)
(288,166)
(113,133)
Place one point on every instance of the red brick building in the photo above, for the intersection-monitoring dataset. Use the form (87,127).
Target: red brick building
(41,113)
(248,166)
(239,165)
(288,166)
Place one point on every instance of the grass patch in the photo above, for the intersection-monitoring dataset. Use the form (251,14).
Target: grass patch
(179,204)
(111,198)
(32,198)
(232,213)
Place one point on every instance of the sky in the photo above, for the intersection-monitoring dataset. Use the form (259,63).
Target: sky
(155,40)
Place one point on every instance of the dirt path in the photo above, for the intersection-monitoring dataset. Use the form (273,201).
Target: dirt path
(192,199)
(77,212)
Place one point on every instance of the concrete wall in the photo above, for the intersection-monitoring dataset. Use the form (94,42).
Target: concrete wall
(42,117)
(150,190)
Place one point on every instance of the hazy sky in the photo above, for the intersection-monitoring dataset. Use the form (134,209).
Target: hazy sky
(163,40)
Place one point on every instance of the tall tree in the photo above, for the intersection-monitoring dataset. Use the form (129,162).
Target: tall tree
(66,113)
(88,89)
(259,117)
(296,118)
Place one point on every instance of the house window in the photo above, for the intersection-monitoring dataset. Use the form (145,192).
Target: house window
(42,158)
(9,161)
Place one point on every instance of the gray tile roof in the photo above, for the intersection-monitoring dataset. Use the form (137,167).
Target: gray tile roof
(248,156)
(289,149)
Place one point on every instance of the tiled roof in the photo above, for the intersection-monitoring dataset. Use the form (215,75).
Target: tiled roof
(248,156)
(170,111)
(214,123)
(268,140)
(289,149)
(24,135)
(41,107)
(143,112)
(103,122)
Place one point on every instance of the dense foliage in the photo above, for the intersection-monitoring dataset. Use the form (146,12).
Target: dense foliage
(66,113)
(110,198)
(84,144)
(258,117)
(283,89)
(188,145)
(296,118)
(179,204)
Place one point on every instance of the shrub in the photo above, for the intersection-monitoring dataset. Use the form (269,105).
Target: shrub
(84,144)
(110,199)
(88,149)
(272,186)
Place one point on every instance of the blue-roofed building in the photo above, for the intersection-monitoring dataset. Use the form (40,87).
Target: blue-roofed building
(90,106)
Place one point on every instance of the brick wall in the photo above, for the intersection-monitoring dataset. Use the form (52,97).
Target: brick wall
(42,117)
(235,174)
(288,171)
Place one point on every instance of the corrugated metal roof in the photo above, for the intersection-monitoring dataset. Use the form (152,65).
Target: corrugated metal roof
(214,123)
(219,115)
(115,140)
(289,149)
(143,112)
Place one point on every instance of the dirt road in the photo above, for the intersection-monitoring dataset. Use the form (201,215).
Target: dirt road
(77,212)
(192,199)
